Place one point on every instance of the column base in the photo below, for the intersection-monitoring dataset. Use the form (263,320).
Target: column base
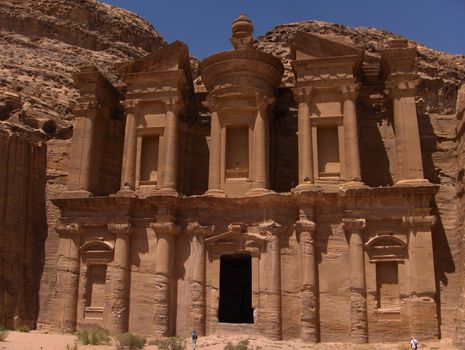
(215,193)
(412,182)
(258,192)
(306,187)
(167,191)
(76,194)
(125,193)
(352,185)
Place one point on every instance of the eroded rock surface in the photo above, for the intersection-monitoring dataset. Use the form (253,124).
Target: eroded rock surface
(43,43)
(23,227)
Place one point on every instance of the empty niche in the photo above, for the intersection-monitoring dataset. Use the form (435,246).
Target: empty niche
(387,285)
(328,152)
(149,160)
(237,152)
(95,293)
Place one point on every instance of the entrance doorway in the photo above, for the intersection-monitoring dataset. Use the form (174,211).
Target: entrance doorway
(235,289)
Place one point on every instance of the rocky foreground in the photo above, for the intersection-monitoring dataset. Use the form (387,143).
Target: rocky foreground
(40,341)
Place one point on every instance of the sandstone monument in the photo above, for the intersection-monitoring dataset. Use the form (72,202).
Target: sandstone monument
(301,185)
(223,245)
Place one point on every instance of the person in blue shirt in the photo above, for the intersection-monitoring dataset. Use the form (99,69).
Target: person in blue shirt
(194,338)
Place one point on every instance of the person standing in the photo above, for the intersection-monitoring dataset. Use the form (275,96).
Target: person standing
(413,343)
(194,338)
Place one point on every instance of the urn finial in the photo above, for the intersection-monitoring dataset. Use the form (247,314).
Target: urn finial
(242,30)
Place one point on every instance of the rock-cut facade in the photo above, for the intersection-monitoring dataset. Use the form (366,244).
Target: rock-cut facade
(201,207)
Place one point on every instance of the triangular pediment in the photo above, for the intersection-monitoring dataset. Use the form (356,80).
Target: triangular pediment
(172,57)
(307,46)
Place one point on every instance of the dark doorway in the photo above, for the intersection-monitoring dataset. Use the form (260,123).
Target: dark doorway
(236,289)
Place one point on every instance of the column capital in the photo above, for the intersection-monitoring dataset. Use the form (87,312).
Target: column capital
(195,229)
(172,104)
(353,224)
(263,101)
(270,228)
(304,226)
(418,221)
(70,229)
(165,228)
(131,105)
(120,228)
(302,94)
(349,91)
(402,86)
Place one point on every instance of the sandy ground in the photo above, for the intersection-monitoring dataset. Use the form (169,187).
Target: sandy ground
(41,341)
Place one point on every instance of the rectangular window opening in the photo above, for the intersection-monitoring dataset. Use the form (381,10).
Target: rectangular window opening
(237,152)
(95,293)
(149,160)
(387,285)
(328,152)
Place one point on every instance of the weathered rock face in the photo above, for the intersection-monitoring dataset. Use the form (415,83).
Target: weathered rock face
(43,44)
(460,331)
(23,227)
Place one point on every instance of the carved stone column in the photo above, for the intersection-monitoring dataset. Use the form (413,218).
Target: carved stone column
(304,134)
(82,163)
(198,281)
(165,232)
(118,315)
(423,308)
(128,173)
(410,166)
(171,159)
(68,275)
(358,299)
(214,178)
(269,313)
(309,317)
(398,68)
(349,96)
(261,148)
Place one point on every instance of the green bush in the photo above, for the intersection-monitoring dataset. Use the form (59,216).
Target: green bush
(171,343)
(93,336)
(242,345)
(22,328)
(133,341)
(3,334)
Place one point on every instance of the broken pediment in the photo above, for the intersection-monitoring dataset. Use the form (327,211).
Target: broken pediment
(172,57)
(307,46)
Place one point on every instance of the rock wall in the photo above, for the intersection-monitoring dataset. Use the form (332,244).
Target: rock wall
(43,44)
(23,227)
(460,330)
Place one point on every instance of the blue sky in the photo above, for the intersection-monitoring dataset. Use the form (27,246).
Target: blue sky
(204,25)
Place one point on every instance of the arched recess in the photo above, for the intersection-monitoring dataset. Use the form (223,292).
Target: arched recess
(96,252)
(96,255)
(387,252)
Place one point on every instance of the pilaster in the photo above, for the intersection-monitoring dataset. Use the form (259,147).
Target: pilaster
(304,134)
(198,234)
(118,315)
(349,95)
(358,297)
(309,315)
(68,276)
(423,308)
(165,232)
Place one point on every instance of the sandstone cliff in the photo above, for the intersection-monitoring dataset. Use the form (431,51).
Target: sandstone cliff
(460,331)
(42,44)
(23,227)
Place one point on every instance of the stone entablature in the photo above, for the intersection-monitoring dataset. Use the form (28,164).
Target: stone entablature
(143,256)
